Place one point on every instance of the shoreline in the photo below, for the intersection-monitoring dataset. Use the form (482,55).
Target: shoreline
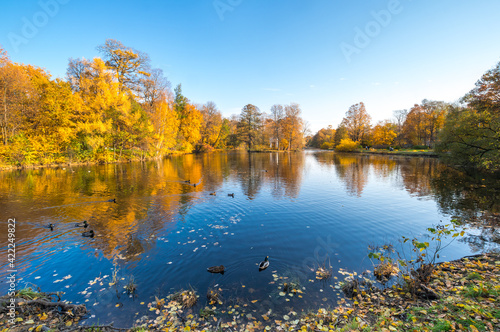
(467,290)
(88,163)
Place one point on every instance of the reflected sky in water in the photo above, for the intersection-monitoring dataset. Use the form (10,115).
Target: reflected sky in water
(300,209)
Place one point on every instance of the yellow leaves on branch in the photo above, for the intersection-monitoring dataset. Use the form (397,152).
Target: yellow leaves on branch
(347,145)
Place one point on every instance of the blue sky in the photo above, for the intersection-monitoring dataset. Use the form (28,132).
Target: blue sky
(325,55)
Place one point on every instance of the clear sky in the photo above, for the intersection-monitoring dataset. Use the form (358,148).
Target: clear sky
(325,55)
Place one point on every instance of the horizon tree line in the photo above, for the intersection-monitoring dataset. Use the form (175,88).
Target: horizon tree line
(118,107)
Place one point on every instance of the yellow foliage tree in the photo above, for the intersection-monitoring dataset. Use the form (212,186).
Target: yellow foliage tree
(101,103)
(166,125)
(384,133)
(189,129)
(347,145)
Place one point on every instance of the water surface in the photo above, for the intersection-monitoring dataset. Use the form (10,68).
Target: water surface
(301,209)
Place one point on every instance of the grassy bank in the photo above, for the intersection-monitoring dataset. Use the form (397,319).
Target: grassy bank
(401,152)
(466,297)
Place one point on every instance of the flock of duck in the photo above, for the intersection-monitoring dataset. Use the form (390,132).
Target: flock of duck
(213,269)
(83,224)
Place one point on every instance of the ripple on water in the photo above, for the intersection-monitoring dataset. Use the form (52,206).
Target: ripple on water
(301,210)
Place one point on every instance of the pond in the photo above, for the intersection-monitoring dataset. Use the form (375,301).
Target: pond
(303,210)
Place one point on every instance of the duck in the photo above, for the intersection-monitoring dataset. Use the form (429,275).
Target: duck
(83,224)
(213,194)
(88,234)
(231,195)
(264,264)
(216,269)
(50,226)
(112,200)
(187,181)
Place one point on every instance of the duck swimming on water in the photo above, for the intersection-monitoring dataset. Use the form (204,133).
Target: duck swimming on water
(88,234)
(84,224)
(264,264)
(216,269)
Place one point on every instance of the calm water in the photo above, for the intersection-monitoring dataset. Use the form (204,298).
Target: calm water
(300,209)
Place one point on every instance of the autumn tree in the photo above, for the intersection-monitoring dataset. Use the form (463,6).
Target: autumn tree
(471,135)
(50,125)
(4,57)
(249,125)
(400,116)
(324,135)
(129,65)
(424,121)
(15,89)
(357,122)
(340,134)
(189,128)
(155,90)
(104,117)
(190,121)
(211,130)
(77,68)
(384,133)
(292,127)
(232,137)
(166,125)
(277,117)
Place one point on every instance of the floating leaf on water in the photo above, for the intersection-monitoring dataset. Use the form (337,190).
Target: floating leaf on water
(282,293)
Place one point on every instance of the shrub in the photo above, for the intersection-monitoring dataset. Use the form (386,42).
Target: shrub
(420,147)
(327,146)
(347,145)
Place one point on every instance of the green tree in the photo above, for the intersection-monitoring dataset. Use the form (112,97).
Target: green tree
(180,102)
(471,135)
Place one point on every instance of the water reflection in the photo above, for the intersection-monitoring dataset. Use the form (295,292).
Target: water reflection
(164,229)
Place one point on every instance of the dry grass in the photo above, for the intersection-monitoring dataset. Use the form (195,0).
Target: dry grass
(385,270)
(131,286)
(187,298)
(323,273)
(214,296)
